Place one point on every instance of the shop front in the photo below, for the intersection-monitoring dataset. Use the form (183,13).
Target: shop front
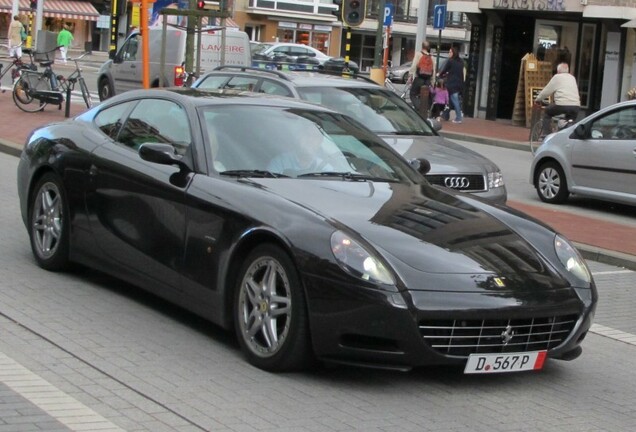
(319,34)
(590,39)
(80,16)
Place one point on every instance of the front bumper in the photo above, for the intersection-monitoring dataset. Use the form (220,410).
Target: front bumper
(386,330)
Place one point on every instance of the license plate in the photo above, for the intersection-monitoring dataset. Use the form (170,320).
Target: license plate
(501,363)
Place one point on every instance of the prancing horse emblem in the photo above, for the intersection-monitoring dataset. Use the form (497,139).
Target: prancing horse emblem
(507,335)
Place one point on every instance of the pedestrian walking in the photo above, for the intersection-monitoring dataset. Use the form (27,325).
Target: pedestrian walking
(16,30)
(453,72)
(421,72)
(64,40)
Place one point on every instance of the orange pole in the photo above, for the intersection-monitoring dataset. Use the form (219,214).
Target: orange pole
(145,45)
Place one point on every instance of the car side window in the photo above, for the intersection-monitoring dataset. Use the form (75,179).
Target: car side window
(242,83)
(213,82)
(109,120)
(129,50)
(157,121)
(617,125)
(299,51)
(272,87)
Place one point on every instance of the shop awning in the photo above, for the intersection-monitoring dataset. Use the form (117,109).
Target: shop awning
(71,9)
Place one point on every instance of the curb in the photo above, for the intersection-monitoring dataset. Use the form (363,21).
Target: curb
(618,259)
(515,145)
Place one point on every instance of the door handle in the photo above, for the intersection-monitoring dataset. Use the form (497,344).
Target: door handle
(92,171)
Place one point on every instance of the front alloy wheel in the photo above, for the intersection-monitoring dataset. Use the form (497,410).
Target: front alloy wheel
(48,218)
(551,184)
(269,311)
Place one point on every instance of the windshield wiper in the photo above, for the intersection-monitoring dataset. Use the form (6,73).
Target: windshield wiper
(252,173)
(346,175)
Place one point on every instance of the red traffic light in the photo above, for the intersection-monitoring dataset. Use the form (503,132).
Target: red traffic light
(200,4)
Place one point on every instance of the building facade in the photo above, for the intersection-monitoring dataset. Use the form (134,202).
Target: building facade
(80,16)
(596,37)
(314,23)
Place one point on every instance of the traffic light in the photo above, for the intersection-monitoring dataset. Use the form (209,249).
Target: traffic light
(34,4)
(200,4)
(338,11)
(353,12)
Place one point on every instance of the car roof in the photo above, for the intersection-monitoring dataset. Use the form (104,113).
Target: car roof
(302,78)
(206,97)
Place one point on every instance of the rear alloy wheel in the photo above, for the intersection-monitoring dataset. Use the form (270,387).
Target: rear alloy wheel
(49,223)
(269,311)
(551,185)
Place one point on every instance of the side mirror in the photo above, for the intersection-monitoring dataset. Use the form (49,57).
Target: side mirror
(162,154)
(423,166)
(111,54)
(580,131)
(437,126)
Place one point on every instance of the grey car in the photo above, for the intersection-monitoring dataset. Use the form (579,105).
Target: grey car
(595,158)
(382,111)
(400,74)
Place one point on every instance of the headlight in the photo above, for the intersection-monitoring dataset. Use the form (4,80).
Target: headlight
(571,259)
(355,260)
(495,180)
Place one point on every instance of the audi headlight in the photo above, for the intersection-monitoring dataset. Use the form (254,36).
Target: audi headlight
(571,259)
(357,261)
(495,180)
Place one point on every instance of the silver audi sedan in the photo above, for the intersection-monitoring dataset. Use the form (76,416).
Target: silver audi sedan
(595,158)
(381,110)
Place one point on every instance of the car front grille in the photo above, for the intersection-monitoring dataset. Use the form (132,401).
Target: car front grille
(461,182)
(464,337)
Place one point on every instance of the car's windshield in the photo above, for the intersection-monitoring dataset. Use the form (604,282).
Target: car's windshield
(280,142)
(259,48)
(382,111)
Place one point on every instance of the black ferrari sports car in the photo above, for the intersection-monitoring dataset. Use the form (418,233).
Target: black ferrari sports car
(302,231)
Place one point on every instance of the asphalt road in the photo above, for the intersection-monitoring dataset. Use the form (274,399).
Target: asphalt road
(125,359)
(515,166)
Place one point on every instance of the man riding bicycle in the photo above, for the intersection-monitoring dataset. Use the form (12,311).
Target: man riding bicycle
(565,92)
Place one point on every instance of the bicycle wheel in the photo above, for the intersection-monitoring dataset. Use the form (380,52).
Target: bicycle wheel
(24,88)
(535,137)
(88,100)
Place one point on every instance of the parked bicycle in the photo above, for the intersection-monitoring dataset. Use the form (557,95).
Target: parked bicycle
(17,66)
(34,90)
(557,123)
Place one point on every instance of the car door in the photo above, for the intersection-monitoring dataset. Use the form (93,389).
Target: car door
(136,208)
(606,160)
(126,67)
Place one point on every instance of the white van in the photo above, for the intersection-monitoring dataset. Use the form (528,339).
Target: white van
(124,69)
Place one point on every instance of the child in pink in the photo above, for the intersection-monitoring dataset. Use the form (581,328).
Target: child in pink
(440,99)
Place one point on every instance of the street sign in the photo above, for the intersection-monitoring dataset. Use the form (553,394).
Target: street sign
(439,17)
(389,8)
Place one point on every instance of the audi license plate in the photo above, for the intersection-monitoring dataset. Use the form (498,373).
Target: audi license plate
(500,363)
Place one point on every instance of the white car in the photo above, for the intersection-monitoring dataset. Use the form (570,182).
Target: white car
(595,157)
(293,53)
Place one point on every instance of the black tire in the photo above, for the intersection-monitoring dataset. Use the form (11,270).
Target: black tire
(49,224)
(550,182)
(86,95)
(105,89)
(271,321)
(23,92)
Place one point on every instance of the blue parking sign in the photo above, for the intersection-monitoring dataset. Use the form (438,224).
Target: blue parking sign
(439,17)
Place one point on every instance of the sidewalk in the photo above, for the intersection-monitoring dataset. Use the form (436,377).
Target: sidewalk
(598,239)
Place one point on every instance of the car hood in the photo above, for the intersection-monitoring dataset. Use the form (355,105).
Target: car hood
(445,156)
(424,228)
